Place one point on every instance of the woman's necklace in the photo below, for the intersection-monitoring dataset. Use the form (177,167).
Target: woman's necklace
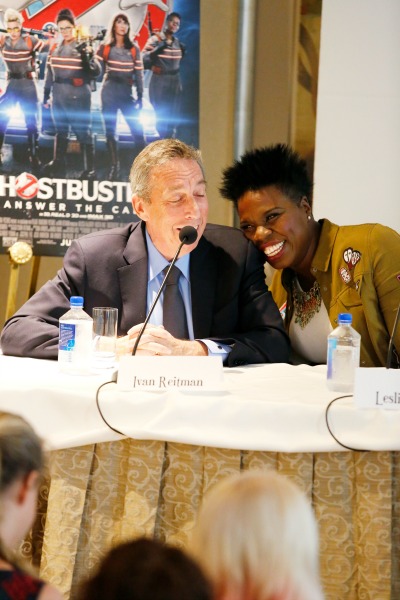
(306,304)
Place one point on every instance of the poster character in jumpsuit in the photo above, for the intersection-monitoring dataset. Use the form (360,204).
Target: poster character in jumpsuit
(71,67)
(162,54)
(122,63)
(18,51)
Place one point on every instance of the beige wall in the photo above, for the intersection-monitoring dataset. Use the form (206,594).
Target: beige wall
(218,22)
(274,74)
(275,71)
(273,78)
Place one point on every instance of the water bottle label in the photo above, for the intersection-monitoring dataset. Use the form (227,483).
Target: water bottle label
(332,343)
(67,337)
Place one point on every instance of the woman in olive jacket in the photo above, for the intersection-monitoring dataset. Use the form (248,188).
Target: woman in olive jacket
(322,269)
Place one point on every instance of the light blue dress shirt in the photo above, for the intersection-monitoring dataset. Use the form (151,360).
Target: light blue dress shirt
(157,264)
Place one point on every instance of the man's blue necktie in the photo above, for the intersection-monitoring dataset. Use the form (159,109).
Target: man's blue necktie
(174,314)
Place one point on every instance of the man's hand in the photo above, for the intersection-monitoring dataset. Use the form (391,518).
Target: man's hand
(156,341)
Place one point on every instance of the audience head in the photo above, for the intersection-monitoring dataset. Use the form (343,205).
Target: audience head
(145,569)
(277,166)
(256,538)
(21,462)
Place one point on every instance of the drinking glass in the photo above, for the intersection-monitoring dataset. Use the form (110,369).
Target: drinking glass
(105,320)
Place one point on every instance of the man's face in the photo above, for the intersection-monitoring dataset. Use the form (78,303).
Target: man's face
(177,198)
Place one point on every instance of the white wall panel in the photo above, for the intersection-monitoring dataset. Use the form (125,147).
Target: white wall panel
(357,160)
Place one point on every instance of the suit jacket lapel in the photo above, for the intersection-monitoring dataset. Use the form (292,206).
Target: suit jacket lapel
(133,283)
(203,284)
(133,279)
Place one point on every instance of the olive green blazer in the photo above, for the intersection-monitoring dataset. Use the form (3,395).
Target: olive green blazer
(358,270)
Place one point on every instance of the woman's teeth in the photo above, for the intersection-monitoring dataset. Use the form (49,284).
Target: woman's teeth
(272,250)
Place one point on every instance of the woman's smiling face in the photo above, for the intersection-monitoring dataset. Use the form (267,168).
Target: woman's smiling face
(278,226)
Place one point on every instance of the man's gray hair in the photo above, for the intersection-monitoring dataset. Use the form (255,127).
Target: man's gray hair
(154,155)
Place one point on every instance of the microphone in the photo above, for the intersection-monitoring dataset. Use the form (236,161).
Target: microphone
(187,235)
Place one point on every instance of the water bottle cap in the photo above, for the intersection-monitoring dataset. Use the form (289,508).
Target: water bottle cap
(345,318)
(76,301)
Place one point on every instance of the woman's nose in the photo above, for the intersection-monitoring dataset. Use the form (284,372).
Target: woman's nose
(262,231)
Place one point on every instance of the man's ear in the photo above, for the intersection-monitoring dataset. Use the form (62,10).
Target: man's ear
(139,207)
(29,481)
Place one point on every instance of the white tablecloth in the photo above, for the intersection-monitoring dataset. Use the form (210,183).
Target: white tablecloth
(275,407)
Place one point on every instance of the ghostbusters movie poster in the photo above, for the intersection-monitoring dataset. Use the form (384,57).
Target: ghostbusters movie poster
(85,85)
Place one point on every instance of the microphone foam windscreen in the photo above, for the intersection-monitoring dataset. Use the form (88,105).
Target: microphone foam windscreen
(188,234)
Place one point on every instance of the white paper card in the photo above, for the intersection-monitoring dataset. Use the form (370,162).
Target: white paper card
(377,388)
(160,373)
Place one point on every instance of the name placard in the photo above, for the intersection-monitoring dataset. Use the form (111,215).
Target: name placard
(160,373)
(377,388)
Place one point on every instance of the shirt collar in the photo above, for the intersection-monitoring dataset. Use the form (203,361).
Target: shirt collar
(323,253)
(157,262)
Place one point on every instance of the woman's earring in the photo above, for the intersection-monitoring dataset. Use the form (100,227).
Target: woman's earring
(309,218)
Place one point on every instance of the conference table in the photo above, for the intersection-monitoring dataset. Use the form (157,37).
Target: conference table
(101,487)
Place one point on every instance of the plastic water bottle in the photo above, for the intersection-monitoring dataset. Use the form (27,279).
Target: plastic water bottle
(75,341)
(343,355)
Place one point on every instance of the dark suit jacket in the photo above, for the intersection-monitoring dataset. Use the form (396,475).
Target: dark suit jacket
(230,300)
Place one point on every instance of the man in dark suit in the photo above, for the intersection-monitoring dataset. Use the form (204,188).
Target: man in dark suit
(228,308)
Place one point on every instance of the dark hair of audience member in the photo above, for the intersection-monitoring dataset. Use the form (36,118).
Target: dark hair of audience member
(146,569)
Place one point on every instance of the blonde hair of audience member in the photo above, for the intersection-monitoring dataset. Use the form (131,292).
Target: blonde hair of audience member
(154,155)
(21,464)
(256,539)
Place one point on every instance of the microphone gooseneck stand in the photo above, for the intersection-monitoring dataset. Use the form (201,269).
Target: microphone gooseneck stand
(187,235)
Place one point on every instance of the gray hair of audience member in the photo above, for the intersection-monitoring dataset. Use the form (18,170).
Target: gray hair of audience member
(145,569)
(21,453)
(256,538)
(154,155)
(11,15)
